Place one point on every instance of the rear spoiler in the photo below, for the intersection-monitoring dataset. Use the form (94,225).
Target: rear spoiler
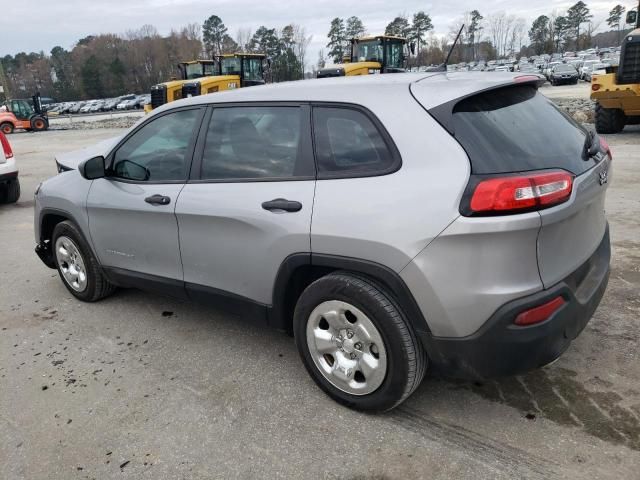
(444,113)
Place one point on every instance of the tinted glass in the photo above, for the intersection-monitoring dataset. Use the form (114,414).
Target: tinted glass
(348,142)
(252,143)
(252,69)
(160,147)
(517,129)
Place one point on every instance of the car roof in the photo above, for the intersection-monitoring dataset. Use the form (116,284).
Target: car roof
(435,88)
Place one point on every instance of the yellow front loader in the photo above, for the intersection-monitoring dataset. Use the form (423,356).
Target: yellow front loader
(617,92)
(201,77)
(370,55)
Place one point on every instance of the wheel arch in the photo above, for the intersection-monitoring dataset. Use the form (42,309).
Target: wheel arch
(299,270)
(47,221)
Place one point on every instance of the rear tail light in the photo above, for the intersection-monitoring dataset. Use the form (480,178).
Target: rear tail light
(595,87)
(540,313)
(517,193)
(8,153)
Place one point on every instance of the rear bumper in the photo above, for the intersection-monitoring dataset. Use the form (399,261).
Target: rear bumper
(500,347)
(7,177)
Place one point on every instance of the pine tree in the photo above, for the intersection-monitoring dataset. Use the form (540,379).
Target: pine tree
(213,32)
(337,40)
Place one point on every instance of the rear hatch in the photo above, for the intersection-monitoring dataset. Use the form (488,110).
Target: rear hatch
(516,130)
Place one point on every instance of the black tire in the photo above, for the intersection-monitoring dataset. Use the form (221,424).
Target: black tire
(39,124)
(6,128)
(98,287)
(12,191)
(609,120)
(407,361)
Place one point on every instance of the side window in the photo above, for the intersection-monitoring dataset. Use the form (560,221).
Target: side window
(348,143)
(158,151)
(254,143)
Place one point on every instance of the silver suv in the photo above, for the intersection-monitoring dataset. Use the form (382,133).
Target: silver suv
(389,222)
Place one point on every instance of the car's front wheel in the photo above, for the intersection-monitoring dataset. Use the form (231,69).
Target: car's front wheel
(356,343)
(78,268)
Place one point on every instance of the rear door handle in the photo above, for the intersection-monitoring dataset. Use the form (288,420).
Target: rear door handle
(158,200)
(282,204)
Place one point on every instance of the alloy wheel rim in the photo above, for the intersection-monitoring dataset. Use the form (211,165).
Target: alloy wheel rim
(71,264)
(346,347)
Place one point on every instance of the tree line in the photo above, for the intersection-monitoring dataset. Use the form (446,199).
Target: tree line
(109,65)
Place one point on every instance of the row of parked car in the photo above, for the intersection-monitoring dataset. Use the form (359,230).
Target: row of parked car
(558,68)
(125,102)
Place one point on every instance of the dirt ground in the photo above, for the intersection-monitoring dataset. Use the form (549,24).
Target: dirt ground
(141,386)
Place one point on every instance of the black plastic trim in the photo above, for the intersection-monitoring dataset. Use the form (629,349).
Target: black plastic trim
(377,272)
(151,283)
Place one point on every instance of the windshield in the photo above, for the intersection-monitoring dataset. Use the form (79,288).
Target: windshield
(230,66)
(394,54)
(252,69)
(369,51)
(564,68)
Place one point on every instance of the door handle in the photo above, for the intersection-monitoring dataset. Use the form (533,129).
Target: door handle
(282,204)
(158,200)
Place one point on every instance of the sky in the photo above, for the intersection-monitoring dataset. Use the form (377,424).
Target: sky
(35,25)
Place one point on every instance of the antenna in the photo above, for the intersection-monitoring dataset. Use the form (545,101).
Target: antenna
(443,67)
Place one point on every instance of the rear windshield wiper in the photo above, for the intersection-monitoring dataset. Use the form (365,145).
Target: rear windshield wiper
(591,146)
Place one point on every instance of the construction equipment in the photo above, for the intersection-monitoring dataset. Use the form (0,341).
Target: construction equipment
(172,90)
(234,70)
(23,114)
(617,90)
(200,77)
(369,55)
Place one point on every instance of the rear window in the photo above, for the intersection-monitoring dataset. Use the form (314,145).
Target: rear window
(516,129)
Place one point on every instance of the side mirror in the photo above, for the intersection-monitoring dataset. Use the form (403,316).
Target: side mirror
(269,63)
(412,47)
(92,169)
(632,17)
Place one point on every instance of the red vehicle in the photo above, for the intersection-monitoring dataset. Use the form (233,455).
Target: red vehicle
(21,114)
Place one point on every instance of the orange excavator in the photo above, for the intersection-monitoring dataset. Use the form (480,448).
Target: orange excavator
(23,114)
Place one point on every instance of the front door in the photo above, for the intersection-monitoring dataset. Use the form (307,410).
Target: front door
(131,211)
(250,205)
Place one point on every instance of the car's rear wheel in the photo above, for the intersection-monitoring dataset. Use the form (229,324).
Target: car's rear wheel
(12,191)
(356,344)
(6,128)
(609,120)
(78,268)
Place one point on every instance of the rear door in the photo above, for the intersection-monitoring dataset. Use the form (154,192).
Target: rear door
(517,129)
(131,211)
(248,205)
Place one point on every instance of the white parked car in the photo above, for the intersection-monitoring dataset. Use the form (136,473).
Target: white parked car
(9,183)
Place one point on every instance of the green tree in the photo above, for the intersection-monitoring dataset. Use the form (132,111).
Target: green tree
(354,28)
(265,40)
(399,27)
(228,44)
(419,27)
(474,30)
(92,77)
(615,18)
(539,34)
(337,40)
(576,16)
(213,32)
(561,29)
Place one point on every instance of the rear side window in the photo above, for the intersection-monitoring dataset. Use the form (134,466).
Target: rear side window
(348,143)
(516,129)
